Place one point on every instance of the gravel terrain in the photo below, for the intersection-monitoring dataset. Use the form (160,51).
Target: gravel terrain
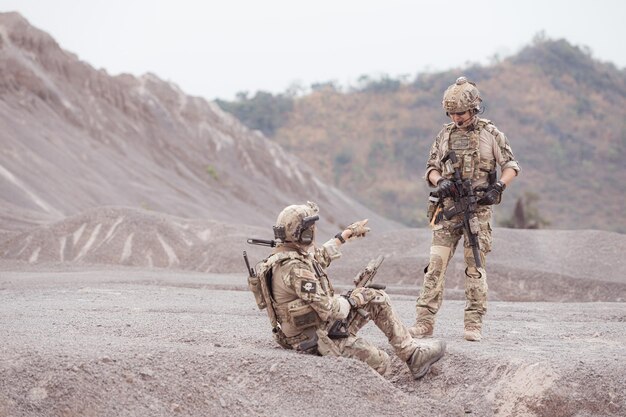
(122,341)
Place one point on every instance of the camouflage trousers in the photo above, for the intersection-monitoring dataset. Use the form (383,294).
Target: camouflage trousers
(446,236)
(387,320)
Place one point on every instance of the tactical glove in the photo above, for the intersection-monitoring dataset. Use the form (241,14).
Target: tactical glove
(493,194)
(446,188)
(361,296)
(343,307)
(358,229)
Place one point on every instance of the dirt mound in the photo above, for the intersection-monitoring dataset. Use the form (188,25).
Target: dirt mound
(102,341)
(132,237)
(526,265)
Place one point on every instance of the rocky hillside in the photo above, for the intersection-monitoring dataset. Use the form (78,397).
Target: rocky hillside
(74,138)
(563,112)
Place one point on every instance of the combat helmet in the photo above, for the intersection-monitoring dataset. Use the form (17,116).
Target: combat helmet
(295,224)
(461,96)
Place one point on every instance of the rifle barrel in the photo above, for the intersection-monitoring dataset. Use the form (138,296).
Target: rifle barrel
(262,242)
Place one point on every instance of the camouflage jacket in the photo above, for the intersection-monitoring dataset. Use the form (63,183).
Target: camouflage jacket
(302,292)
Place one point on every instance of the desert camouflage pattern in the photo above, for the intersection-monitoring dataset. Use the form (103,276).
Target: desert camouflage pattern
(479,149)
(299,282)
(363,295)
(291,217)
(306,304)
(444,242)
(461,96)
(386,319)
(358,229)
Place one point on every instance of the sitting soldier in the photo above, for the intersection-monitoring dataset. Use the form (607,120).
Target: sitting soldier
(304,305)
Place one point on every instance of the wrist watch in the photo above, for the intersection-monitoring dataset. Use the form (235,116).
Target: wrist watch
(501,185)
(341,239)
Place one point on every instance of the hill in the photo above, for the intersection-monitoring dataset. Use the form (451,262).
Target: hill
(563,112)
(74,138)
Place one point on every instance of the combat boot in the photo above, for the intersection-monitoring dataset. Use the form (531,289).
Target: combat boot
(473,333)
(421,329)
(426,353)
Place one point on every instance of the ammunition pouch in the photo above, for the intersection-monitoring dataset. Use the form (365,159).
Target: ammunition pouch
(301,315)
(434,212)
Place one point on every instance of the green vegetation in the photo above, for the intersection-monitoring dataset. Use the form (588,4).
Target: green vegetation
(212,172)
(264,111)
(563,112)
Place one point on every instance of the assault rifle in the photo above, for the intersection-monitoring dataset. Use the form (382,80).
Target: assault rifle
(339,329)
(466,203)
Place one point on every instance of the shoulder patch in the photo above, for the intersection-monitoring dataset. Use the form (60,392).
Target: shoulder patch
(307,286)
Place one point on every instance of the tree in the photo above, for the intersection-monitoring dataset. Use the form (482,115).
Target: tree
(525,214)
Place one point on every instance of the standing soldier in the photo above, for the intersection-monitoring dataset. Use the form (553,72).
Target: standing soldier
(479,148)
(305,306)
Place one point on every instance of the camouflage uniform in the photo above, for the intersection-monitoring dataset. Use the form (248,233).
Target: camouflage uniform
(306,306)
(480,147)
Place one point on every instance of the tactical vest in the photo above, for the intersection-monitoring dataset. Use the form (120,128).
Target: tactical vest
(466,146)
(299,314)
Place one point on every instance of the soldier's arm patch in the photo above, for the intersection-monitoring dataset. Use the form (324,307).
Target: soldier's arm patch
(307,286)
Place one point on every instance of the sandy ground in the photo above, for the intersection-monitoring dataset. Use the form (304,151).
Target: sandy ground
(122,341)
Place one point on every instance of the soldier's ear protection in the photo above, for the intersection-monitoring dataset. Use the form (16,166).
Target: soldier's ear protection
(305,232)
(306,237)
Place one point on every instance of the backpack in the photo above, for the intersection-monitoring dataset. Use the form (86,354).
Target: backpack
(260,283)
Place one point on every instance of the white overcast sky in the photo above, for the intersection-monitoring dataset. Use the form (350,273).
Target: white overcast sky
(216,48)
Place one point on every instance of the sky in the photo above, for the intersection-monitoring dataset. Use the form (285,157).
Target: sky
(217,48)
